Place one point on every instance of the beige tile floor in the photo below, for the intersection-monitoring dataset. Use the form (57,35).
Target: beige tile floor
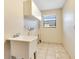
(51,51)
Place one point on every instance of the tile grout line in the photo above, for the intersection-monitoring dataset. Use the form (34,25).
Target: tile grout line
(47,46)
(47,51)
(67,52)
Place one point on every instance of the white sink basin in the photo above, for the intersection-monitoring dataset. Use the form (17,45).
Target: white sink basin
(24,38)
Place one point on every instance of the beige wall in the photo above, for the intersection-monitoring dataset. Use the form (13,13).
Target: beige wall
(53,35)
(30,22)
(13,17)
(69,27)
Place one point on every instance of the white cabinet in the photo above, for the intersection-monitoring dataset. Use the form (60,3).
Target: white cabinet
(30,9)
(27,7)
(23,50)
(35,11)
(23,47)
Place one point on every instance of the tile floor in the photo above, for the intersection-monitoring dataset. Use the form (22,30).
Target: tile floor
(51,51)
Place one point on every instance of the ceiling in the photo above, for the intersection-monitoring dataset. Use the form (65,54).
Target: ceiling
(49,4)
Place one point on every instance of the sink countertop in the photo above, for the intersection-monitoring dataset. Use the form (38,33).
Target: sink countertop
(24,38)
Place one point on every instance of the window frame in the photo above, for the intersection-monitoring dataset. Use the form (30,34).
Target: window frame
(49,20)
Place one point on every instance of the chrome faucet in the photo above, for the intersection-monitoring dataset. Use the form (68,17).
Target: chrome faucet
(30,29)
(16,35)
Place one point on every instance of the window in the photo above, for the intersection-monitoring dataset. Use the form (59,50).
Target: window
(49,21)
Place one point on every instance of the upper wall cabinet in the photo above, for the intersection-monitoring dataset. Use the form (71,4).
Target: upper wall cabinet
(30,9)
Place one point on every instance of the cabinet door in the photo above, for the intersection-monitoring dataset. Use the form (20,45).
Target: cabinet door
(35,11)
(32,48)
(27,7)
